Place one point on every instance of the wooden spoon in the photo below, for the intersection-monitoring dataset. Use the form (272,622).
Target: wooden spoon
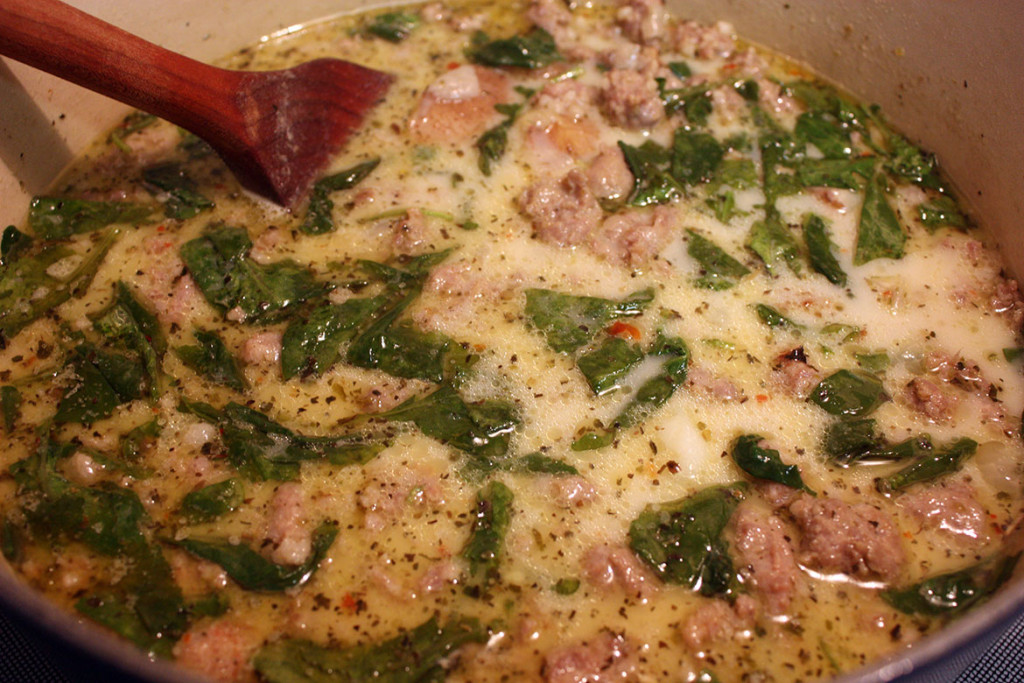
(276,130)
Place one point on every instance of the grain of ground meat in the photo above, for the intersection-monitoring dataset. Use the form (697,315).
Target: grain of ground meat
(286,527)
(608,176)
(717,620)
(563,211)
(606,657)
(631,100)
(951,508)
(929,399)
(643,21)
(633,237)
(859,540)
(607,566)
(220,650)
(764,547)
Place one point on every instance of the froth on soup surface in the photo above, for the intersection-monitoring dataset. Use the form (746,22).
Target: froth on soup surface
(611,348)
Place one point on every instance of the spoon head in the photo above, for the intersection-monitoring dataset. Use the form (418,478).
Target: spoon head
(294,121)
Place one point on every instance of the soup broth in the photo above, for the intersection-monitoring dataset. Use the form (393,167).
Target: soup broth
(611,347)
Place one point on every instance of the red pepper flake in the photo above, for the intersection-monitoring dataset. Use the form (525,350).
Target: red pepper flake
(161,228)
(621,329)
(453,65)
(762,398)
(349,602)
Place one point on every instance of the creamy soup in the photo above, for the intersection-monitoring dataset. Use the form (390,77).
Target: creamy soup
(610,348)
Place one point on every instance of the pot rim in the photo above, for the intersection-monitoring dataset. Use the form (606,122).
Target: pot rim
(969,630)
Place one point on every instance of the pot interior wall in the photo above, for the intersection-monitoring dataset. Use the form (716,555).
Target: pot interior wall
(949,72)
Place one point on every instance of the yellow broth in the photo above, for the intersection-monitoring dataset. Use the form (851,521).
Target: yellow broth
(571,598)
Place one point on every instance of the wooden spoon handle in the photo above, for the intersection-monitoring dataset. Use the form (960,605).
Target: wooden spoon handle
(78,47)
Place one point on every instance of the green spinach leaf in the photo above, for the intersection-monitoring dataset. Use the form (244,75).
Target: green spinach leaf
(538,463)
(739,174)
(393,27)
(415,656)
(493,142)
(100,381)
(145,605)
(822,129)
(723,205)
(682,540)
(941,212)
(568,322)
(311,345)
(875,363)
(765,463)
(930,466)
(13,245)
(10,406)
(211,359)
(851,394)
(477,468)
(649,396)
(130,325)
(210,502)
(138,438)
(252,571)
(532,50)
(780,154)
(695,156)
(263,293)
(680,69)
(105,519)
(481,429)
(773,318)
(653,183)
(183,198)
(819,249)
(855,442)
(693,101)
(845,174)
(56,218)
(879,233)
(847,441)
(606,365)
(719,270)
(27,291)
(398,348)
(318,218)
(826,101)
(261,449)
(905,161)
(653,393)
(485,547)
(955,592)
(773,242)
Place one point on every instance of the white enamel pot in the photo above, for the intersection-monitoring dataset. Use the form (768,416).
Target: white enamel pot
(951,73)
